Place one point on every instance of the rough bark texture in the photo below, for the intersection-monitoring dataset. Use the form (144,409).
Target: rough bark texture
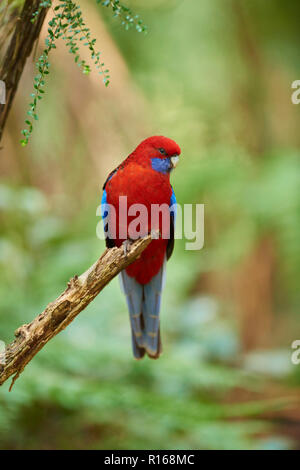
(19,49)
(81,290)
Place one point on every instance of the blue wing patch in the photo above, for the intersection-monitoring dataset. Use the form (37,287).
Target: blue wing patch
(104,211)
(173,211)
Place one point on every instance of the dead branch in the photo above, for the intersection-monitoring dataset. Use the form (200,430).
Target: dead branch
(81,290)
(24,36)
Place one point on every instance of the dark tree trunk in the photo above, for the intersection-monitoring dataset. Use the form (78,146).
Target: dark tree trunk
(23,38)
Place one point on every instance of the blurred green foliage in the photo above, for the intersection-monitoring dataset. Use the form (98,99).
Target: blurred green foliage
(218,98)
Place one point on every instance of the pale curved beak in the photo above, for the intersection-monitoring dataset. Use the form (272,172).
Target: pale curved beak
(174,161)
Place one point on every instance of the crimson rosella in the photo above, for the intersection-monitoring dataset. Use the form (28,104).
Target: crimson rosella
(144,178)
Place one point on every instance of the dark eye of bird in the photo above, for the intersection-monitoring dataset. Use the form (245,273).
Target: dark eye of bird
(162,151)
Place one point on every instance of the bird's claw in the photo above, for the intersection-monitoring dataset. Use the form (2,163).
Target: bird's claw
(155,234)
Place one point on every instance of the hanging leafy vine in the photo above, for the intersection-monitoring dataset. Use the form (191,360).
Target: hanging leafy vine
(67,23)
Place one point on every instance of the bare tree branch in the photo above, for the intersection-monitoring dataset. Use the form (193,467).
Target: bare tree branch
(81,290)
(19,49)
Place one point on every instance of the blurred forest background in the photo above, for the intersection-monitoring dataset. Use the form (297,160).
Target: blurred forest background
(215,76)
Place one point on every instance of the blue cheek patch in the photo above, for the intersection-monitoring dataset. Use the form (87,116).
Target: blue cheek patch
(162,165)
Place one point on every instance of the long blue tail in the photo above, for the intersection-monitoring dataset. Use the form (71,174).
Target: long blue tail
(144,305)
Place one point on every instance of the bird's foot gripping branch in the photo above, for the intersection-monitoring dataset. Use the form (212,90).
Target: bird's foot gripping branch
(80,291)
